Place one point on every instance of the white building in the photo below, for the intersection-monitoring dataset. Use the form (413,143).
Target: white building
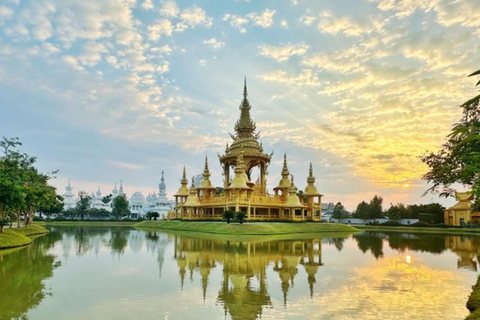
(69,201)
(158,203)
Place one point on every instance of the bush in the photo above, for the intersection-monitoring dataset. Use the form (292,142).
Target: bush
(422,224)
(35,218)
(60,219)
(240,216)
(392,223)
(431,218)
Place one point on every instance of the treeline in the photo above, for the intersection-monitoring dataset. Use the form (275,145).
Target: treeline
(431,213)
(83,209)
(23,189)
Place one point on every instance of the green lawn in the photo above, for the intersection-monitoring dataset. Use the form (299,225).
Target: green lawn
(259,228)
(17,237)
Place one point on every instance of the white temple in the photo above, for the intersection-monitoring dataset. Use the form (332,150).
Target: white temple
(68,197)
(139,205)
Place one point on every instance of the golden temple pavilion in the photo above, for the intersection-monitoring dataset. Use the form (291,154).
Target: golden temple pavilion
(239,193)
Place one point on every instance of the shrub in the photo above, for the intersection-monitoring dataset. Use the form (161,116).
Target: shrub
(391,223)
(240,216)
(421,224)
(60,219)
(228,215)
(38,219)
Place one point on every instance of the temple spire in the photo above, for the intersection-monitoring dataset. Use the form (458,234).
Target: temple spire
(285,172)
(245,125)
(245,93)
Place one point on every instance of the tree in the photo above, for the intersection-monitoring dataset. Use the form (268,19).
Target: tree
(362,211)
(458,160)
(228,215)
(240,216)
(83,204)
(398,211)
(107,199)
(23,190)
(375,209)
(120,206)
(153,215)
(339,211)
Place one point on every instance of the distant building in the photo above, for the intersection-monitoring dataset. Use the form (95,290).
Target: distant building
(69,201)
(461,213)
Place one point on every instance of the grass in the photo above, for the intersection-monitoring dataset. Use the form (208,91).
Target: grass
(18,237)
(459,231)
(473,303)
(246,228)
(87,223)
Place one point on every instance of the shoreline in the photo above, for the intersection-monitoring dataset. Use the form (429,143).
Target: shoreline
(246,228)
(20,237)
(446,231)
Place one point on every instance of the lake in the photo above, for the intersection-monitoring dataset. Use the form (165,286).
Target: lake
(124,273)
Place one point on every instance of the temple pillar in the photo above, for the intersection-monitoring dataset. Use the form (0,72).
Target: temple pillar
(226,171)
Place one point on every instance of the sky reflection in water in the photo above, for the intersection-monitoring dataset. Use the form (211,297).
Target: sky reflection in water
(122,273)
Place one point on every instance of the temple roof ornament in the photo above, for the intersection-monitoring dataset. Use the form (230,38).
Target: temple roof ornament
(120,191)
(239,181)
(292,200)
(311,189)
(183,191)
(206,183)
(162,193)
(192,200)
(284,183)
(245,125)
(245,139)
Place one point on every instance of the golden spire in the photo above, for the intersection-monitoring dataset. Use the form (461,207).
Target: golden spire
(192,199)
(206,183)
(192,187)
(311,189)
(239,181)
(206,171)
(183,191)
(245,125)
(285,172)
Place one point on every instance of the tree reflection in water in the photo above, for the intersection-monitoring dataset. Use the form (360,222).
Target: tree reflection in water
(22,273)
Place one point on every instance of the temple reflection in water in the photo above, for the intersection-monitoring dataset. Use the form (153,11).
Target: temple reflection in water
(243,291)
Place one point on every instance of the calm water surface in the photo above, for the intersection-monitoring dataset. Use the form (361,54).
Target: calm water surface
(122,273)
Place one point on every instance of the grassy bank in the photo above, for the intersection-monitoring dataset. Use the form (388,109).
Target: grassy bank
(247,228)
(473,303)
(17,237)
(459,231)
(87,223)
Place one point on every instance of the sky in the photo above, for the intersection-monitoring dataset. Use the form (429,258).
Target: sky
(115,90)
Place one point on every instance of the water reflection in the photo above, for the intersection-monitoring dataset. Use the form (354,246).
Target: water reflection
(22,272)
(150,274)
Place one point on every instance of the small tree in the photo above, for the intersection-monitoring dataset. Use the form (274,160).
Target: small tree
(240,216)
(339,211)
(154,215)
(83,204)
(228,215)
(120,207)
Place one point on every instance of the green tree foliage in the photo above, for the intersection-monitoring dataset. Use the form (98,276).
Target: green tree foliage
(339,212)
(362,211)
(228,215)
(240,216)
(120,206)
(152,215)
(398,211)
(458,160)
(107,199)
(83,204)
(23,190)
(375,209)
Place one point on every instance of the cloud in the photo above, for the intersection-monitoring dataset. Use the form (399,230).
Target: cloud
(305,78)
(284,52)
(332,25)
(6,12)
(169,9)
(214,43)
(263,19)
(192,17)
(159,28)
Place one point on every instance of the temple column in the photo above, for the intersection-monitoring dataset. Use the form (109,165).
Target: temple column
(262,176)
(226,170)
